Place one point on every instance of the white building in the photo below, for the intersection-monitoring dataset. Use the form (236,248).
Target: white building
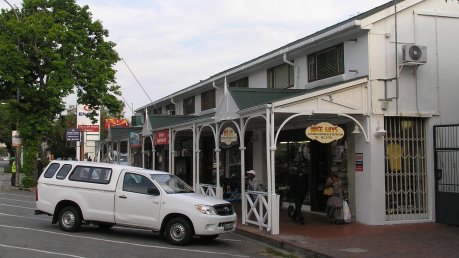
(389,73)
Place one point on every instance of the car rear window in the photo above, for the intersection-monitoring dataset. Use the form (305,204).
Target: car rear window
(91,175)
(64,171)
(51,170)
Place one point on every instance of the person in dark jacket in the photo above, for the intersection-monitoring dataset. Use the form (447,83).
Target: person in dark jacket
(299,187)
(39,167)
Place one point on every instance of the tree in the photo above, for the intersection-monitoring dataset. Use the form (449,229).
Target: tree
(57,141)
(52,50)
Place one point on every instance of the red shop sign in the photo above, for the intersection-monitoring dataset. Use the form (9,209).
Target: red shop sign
(161,137)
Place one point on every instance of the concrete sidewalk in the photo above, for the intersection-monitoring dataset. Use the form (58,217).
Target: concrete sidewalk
(317,238)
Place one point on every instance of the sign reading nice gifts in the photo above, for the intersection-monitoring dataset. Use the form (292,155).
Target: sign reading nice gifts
(324,132)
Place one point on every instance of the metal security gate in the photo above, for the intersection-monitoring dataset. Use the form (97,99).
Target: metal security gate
(405,169)
(446,148)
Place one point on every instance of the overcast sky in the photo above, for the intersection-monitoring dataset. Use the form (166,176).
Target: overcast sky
(172,44)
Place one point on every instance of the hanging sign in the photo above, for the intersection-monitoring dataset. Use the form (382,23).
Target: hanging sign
(161,137)
(134,139)
(228,137)
(324,132)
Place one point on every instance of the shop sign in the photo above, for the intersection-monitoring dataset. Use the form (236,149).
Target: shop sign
(161,137)
(89,128)
(228,137)
(359,162)
(324,132)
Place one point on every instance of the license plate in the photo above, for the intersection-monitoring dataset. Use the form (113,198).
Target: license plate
(228,226)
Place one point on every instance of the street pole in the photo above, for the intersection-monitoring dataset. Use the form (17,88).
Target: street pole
(18,147)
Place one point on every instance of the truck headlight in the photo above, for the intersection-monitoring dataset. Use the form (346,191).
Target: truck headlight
(205,209)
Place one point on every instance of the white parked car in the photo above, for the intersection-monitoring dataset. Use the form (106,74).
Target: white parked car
(75,192)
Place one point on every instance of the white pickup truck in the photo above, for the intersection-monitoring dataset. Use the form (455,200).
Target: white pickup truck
(77,193)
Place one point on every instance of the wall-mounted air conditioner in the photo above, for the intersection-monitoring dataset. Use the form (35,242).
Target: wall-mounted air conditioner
(413,54)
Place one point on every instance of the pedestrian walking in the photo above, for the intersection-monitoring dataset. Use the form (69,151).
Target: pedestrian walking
(299,186)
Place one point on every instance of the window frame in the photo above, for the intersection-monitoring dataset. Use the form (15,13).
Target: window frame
(271,76)
(314,62)
(170,107)
(208,100)
(241,83)
(189,108)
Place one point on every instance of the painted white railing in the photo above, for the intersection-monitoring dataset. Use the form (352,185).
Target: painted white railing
(257,212)
(210,190)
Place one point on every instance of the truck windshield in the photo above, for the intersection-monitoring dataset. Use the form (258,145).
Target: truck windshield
(171,184)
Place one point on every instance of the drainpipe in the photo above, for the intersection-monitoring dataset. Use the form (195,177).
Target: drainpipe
(295,70)
(175,105)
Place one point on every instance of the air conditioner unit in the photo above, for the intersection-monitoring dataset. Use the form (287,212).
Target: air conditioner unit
(171,112)
(413,54)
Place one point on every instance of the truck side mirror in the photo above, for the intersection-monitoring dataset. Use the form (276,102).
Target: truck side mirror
(153,191)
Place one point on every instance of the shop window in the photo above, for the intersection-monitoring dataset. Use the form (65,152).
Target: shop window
(241,83)
(188,106)
(326,63)
(281,77)
(208,100)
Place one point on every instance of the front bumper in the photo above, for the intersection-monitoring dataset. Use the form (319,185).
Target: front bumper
(214,224)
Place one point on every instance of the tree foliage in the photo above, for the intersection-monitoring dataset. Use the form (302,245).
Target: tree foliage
(54,49)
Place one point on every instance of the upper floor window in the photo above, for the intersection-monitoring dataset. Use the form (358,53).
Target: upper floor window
(241,83)
(157,110)
(281,77)
(326,63)
(188,106)
(170,109)
(208,100)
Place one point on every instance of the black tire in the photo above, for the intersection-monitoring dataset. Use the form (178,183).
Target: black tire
(69,219)
(209,238)
(104,226)
(178,231)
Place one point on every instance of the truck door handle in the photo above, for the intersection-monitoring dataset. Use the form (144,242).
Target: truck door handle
(122,196)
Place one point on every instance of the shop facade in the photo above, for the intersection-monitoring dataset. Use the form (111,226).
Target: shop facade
(353,76)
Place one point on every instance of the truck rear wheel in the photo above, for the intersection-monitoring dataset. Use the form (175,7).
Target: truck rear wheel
(178,231)
(69,219)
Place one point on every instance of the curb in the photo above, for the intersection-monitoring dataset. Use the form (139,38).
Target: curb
(282,244)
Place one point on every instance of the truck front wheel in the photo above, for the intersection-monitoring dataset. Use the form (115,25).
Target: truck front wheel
(178,231)
(69,219)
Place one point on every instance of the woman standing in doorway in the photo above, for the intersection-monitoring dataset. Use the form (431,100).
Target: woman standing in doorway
(335,201)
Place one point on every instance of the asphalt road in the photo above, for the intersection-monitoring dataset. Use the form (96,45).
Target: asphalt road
(23,234)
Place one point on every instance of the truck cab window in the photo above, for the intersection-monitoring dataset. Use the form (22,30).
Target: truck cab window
(136,183)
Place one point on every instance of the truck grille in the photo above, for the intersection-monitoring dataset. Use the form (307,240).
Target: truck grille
(224,209)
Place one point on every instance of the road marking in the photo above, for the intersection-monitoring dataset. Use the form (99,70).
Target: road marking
(228,239)
(123,242)
(15,200)
(20,195)
(40,251)
(22,207)
(18,216)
